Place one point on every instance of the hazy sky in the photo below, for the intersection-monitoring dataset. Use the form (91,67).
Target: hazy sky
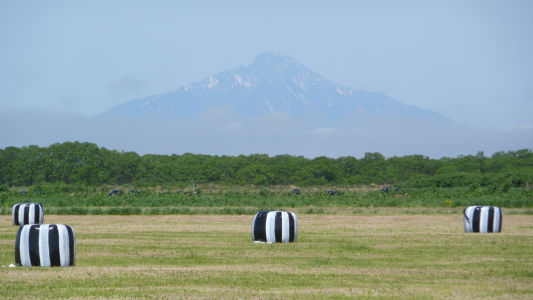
(469,60)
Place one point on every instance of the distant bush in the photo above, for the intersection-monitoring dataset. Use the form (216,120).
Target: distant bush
(507,185)
(474,186)
(74,167)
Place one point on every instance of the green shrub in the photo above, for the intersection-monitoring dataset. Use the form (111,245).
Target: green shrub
(474,186)
(507,185)
(4,188)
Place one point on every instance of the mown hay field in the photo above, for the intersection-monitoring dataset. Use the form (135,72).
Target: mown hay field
(335,256)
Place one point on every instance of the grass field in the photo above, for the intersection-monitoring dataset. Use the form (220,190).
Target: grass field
(335,256)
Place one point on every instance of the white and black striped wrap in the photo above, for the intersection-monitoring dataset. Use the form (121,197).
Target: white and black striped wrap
(274,226)
(45,245)
(28,213)
(482,219)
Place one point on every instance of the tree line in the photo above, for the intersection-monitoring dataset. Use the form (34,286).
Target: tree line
(88,164)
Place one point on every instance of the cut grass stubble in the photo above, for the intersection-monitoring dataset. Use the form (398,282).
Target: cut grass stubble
(212,256)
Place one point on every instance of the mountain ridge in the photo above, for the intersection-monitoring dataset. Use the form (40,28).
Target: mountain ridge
(273,84)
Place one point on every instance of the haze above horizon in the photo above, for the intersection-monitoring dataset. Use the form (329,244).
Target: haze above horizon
(470,61)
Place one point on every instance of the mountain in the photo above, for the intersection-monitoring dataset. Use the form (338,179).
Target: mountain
(274,84)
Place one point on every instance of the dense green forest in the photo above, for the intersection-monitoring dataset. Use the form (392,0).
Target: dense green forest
(87,164)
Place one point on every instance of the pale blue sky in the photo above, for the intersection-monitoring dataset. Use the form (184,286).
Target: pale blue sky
(469,60)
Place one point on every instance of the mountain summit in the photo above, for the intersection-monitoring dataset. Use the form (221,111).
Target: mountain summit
(274,84)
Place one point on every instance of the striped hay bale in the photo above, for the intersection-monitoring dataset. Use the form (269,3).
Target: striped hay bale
(28,213)
(482,219)
(45,245)
(274,226)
